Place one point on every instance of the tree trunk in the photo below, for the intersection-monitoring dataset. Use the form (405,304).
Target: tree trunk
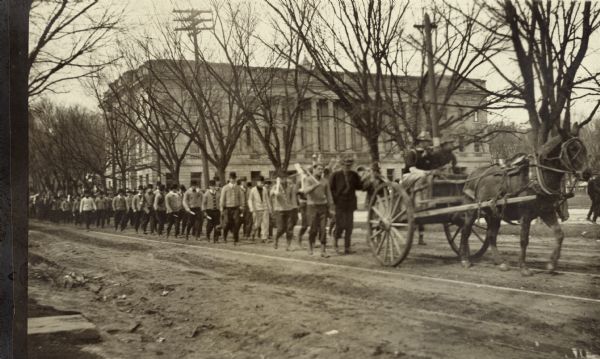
(373,143)
(222,178)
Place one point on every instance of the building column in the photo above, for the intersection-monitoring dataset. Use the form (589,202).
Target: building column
(312,128)
(332,123)
(348,131)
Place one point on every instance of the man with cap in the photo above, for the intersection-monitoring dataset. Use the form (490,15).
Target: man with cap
(160,208)
(136,204)
(174,207)
(319,205)
(285,204)
(247,222)
(100,210)
(87,207)
(417,160)
(192,203)
(443,158)
(148,215)
(231,204)
(258,200)
(344,184)
(119,206)
(210,204)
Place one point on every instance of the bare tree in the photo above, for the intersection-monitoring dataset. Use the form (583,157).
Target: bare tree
(66,37)
(348,44)
(67,146)
(203,95)
(134,100)
(460,50)
(122,142)
(549,42)
(274,91)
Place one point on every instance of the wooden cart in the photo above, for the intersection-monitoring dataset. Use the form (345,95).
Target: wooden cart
(394,216)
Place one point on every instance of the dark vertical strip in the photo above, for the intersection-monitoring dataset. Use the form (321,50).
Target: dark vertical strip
(13,177)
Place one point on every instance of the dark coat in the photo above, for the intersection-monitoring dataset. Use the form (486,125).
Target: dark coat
(344,196)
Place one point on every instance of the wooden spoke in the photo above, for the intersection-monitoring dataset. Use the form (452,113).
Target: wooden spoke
(397,216)
(378,232)
(478,236)
(478,248)
(389,238)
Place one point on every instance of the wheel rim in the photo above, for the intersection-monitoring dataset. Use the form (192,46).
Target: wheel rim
(476,247)
(390,224)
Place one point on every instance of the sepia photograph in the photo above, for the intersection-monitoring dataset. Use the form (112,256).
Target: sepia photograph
(269,179)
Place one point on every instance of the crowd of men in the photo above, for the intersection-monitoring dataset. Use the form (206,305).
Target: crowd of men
(318,198)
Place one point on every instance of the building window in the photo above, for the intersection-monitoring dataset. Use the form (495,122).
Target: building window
(476,146)
(335,136)
(169,179)
(254,175)
(248,137)
(390,174)
(141,180)
(461,143)
(196,176)
(302,138)
(319,138)
(147,179)
(476,116)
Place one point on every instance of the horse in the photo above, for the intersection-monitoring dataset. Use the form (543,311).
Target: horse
(542,175)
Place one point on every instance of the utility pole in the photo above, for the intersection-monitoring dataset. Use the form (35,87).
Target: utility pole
(192,21)
(432,92)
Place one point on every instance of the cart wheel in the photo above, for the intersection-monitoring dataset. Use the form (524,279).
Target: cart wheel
(477,247)
(390,224)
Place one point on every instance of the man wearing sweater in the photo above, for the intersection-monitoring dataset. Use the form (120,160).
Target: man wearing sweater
(344,184)
(100,210)
(258,203)
(160,209)
(119,206)
(319,204)
(174,207)
(285,207)
(192,203)
(210,204)
(148,211)
(136,204)
(87,208)
(231,204)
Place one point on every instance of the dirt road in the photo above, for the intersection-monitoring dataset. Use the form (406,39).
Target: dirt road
(157,299)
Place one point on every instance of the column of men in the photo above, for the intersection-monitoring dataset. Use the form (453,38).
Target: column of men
(314,199)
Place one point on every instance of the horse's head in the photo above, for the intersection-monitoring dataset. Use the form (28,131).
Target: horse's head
(566,153)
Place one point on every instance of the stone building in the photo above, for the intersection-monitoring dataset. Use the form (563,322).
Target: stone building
(324,130)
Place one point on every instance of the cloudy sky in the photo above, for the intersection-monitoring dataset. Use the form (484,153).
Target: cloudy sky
(140,14)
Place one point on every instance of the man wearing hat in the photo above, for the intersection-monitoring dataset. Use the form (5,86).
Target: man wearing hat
(319,204)
(119,206)
(344,184)
(100,210)
(285,208)
(210,204)
(418,159)
(258,200)
(444,156)
(192,203)
(231,203)
(136,206)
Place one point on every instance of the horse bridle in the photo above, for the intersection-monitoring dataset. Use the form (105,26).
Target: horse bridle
(565,161)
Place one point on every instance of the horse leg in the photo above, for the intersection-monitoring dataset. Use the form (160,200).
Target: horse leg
(552,222)
(493,226)
(525,227)
(469,219)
